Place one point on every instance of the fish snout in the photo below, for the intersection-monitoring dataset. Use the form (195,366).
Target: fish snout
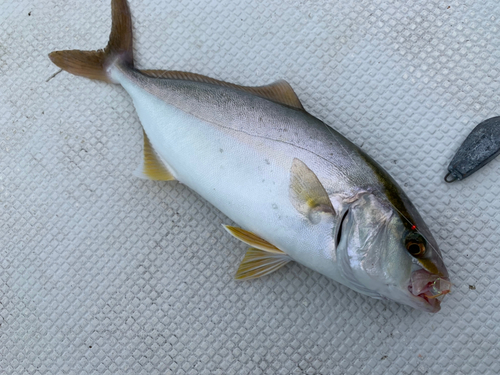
(431,288)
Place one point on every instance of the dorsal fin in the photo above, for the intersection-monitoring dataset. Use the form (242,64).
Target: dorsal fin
(279,91)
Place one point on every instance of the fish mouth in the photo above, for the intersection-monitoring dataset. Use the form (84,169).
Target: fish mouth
(429,288)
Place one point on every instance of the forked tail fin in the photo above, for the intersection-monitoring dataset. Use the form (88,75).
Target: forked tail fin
(93,64)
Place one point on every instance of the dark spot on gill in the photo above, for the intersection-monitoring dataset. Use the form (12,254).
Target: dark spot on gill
(339,231)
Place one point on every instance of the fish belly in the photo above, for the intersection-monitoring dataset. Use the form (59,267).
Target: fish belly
(247,180)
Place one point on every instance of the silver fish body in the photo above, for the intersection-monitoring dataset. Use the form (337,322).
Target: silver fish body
(287,179)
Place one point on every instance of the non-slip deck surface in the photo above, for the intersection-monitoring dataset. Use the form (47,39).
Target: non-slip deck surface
(103,273)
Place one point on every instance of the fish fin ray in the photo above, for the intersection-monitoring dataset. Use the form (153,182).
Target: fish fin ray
(306,192)
(257,263)
(252,239)
(152,167)
(93,64)
(279,91)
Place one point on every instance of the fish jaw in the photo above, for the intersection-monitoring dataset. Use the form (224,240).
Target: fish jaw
(422,290)
(374,260)
(429,287)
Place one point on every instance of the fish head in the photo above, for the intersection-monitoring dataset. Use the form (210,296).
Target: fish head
(390,255)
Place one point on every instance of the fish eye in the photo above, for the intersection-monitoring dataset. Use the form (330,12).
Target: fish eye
(415,244)
(415,249)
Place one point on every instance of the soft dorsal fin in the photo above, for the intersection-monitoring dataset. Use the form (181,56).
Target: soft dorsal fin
(257,263)
(252,239)
(307,194)
(279,91)
(152,168)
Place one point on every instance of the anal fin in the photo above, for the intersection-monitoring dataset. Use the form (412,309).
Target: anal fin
(257,263)
(152,167)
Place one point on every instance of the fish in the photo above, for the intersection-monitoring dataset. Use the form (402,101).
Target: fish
(296,189)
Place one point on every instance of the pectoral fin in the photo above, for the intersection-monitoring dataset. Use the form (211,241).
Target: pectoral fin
(252,240)
(152,167)
(306,192)
(259,263)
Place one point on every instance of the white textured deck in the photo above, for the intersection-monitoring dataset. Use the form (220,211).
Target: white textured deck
(103,273)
